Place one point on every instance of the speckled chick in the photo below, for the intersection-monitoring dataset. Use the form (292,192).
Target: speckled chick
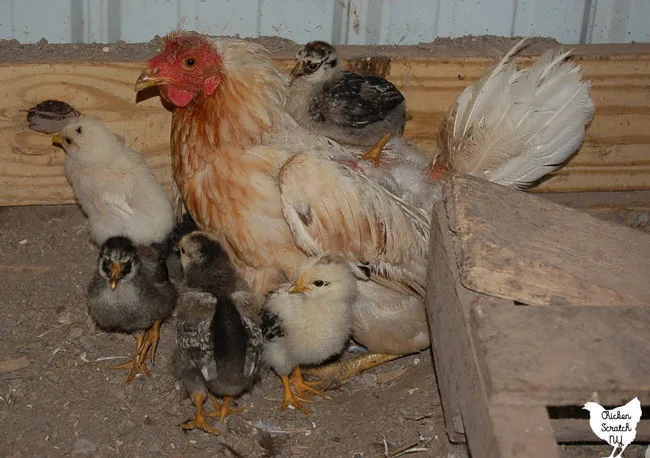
(131,292)
(307,322)
(219,347)
(348,107)
(113,184)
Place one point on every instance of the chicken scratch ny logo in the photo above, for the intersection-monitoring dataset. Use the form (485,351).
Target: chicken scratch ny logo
(617,426)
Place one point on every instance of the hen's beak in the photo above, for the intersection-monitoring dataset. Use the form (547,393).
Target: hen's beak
(146,79)
(58,140)
(299,287)
(297,71)
(116,274)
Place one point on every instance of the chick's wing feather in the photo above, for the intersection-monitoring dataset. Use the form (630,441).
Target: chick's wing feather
(356,101)
(253,347)
(343,212)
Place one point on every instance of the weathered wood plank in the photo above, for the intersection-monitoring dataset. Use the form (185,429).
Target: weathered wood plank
(522,247)
(614,156)
(564,355)
(578,430)
(523,432)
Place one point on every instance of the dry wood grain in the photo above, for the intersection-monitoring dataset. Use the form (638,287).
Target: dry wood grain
(522,247)
(614,157)
(563,355)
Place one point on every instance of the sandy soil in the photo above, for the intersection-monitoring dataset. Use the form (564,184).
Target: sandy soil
(66,401)
(488,45)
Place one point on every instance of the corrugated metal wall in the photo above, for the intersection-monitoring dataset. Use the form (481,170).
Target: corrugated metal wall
(337,21)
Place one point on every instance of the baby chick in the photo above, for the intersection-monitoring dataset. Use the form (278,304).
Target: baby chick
(348,107)
(131,291)
(219,347)
(113,184)
(307,322)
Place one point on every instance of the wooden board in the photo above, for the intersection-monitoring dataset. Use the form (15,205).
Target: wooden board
(564,355)
(522,247)
(614,157)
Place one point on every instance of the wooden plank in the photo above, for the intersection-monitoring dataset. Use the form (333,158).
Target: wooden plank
(563,355)
(578,430)
(459,368)
(614,156)
(522,247)
(523,432)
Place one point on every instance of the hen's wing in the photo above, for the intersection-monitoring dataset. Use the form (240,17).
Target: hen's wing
(343,212)
(356,101)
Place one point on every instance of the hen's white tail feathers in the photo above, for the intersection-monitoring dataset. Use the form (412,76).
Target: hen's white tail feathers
(515,126)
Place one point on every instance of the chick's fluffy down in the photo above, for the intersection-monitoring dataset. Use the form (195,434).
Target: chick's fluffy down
(114,185)
(311,327)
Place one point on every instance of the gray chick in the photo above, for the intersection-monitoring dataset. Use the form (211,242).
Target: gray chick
(131,291)
(348,107)
(219,347)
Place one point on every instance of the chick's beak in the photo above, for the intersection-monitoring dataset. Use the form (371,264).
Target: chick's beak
(116,273)
(299,287)
(58,139)
(297,71)
(148,79)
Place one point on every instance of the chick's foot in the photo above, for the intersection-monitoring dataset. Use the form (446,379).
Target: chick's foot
(374,153)
(343,370)
(291,399)
(149,344)
(136,366)
(222,409)
(303,388)
(199,421)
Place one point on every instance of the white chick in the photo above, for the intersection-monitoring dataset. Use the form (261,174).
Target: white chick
(114,185)
(307,322)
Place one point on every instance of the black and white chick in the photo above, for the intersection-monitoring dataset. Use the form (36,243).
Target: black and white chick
(219,343)
(307,322)
(113,184)
(131,292)
(347,107)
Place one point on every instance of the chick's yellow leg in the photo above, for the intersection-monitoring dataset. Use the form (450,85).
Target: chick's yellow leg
(149,345)
(291,399)
(222,409)
(301,386)
(343,370)
(374,153)
(199,421)
(136,366)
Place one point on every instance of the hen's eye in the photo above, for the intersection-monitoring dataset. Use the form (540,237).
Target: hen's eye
(190,62)
(319,283)
(313,67)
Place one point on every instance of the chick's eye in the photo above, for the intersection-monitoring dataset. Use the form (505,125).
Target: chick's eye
(182,250)
(79,130)
(312,67)
(319,283)
(68,141)
(190,62)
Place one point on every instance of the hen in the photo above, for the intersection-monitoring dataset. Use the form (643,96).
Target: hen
(348,107)
(275,194)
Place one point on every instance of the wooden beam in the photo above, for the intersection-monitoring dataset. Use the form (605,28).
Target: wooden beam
(522,247)
(614,156)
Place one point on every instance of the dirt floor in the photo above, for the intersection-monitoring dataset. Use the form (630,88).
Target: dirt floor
(58,398)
